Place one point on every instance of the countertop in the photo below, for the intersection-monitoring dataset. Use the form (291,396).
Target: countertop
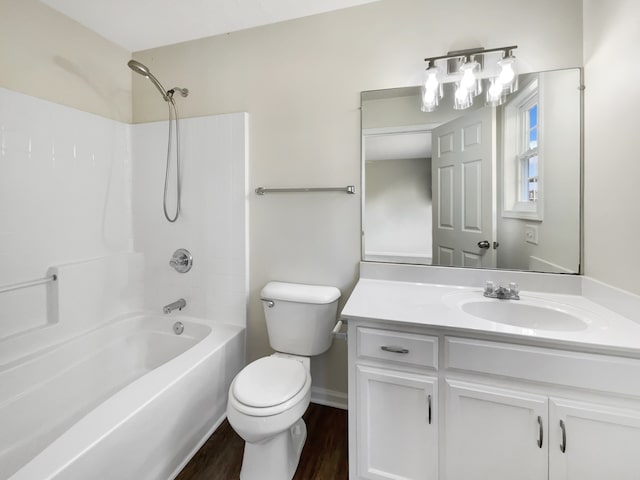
(438,306)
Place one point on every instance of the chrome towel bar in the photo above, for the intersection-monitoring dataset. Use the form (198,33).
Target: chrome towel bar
(31,283)
(351,189)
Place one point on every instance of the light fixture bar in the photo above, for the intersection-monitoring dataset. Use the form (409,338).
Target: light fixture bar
(471,52)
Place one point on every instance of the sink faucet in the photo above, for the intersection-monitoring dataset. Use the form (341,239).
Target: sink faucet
(503,293)
(178,304)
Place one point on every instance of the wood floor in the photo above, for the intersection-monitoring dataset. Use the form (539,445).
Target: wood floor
(324,456)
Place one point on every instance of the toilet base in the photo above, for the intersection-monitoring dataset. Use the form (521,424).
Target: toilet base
(277,458)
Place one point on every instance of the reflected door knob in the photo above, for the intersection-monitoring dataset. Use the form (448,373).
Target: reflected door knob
(484,244)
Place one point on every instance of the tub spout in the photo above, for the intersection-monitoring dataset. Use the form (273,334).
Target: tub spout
(177,305)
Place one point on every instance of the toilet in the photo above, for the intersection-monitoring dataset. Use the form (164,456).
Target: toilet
(269,396)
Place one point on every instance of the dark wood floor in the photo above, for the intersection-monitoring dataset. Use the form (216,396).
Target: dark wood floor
(324,456)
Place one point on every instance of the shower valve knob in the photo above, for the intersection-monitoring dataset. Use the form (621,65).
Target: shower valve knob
(182,260)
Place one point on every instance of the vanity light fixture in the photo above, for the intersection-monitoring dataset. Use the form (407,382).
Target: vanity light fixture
(471,71)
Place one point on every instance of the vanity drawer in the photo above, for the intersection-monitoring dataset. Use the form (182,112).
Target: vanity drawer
(538,364)
(398,347)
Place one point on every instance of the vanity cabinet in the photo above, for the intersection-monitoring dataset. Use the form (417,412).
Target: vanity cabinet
(433,405)
(396,421)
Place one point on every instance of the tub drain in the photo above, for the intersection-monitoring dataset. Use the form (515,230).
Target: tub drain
(178,328)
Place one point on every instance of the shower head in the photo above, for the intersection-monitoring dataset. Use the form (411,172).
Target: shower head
(144,71)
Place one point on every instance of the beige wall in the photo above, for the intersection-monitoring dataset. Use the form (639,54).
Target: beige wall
(612,161)
(300,81)
(47,55)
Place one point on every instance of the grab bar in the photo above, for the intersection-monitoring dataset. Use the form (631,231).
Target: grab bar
(31,283)
(348,189)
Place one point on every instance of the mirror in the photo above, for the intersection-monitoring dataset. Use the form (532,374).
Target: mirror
(485,187)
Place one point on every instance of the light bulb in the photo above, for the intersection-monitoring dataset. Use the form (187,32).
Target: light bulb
(429,100)
(461,92)
(469,69)
(432,81)
(495,93)
(495,90)
(429,96)
(462,98)
(506,74)
(468,78)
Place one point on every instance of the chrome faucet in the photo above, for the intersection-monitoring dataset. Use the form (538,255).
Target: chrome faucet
(177,305)
(511,292)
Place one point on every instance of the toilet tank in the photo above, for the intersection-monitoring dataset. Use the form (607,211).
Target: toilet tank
(300,317)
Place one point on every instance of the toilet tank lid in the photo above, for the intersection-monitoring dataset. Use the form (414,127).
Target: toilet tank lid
(298,292)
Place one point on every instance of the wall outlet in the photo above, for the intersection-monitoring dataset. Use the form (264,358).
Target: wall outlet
(531,234)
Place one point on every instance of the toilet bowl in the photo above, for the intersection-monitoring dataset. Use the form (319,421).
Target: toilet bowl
(269,396)
(266,403)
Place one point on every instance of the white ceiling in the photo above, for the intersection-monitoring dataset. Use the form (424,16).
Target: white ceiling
(142,24)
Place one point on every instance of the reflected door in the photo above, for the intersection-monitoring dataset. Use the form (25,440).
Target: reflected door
(463,199)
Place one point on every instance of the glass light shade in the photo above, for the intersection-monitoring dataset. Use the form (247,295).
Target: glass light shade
(430,98)
(431,89)
(508,75)
(496,94)
(463,98)
(432,79)
(470,80)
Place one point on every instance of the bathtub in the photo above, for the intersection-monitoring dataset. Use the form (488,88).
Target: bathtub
(129,400)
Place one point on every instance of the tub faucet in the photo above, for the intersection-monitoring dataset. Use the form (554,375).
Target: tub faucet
(503,293)
(178,304)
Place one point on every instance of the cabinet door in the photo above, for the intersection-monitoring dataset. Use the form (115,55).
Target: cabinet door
(397,428)
(599,441)
(494,433)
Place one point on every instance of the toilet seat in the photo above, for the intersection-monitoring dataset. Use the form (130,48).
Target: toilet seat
(269,385)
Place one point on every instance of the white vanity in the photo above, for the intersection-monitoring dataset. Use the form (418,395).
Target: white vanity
(550,390)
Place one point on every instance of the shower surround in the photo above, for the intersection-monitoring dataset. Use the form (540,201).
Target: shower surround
(81,196)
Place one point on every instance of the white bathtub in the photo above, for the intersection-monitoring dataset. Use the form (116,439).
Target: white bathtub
(130,400)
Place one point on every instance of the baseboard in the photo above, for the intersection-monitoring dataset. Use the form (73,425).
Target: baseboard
(329,398)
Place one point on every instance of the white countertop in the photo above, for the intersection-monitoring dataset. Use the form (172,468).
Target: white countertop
(437,306)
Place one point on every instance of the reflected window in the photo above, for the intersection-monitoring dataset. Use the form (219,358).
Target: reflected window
(528,156)
(522,150)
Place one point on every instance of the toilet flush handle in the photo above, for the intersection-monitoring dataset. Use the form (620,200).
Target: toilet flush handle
(270,303)
(337,331)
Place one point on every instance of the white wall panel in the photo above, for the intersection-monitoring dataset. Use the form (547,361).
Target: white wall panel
(64,196)
(212,223)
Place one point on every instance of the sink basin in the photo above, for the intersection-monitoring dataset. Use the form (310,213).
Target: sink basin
(525,314)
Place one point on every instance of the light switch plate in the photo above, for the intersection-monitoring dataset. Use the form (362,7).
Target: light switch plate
(531,234)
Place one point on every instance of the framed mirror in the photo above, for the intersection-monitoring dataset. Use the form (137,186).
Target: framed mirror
(485,187)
